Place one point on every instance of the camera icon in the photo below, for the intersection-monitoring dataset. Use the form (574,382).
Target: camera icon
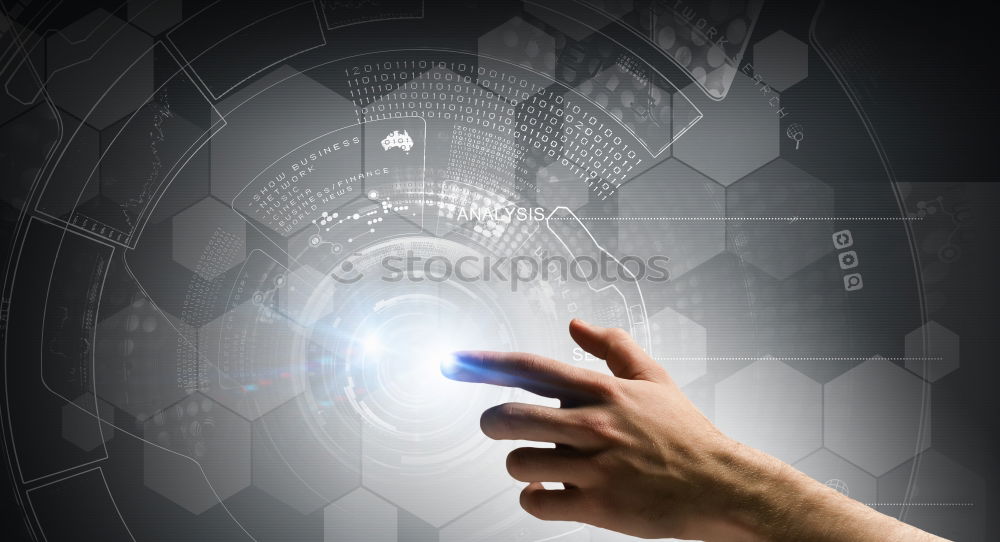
(843,239)
(848,260)
(853,282)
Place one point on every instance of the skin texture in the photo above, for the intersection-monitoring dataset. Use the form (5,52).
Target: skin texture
(634,455)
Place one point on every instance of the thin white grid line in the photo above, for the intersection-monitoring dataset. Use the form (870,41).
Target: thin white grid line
(749,218)
(803,358)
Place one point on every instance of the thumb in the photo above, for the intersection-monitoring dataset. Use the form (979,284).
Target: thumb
(615,346)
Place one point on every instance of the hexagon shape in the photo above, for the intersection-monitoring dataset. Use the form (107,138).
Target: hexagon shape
(248,359)
(557,185)
(154,16)
(770,406)
(254,136)
(672,190)
(950,500)
(781,59)
(679,344)
(575,22)
(779,190)
(523,44)
(209,238)
(829,468)
(941,356)
(872,413)
(360,515)
(291,462)
(92,63)
(200,453)
(145,359)
(81,422)
(736,136)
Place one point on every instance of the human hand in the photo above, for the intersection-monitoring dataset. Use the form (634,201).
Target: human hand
(636,456)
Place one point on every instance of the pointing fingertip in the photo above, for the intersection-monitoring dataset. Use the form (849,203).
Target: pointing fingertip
(449,364)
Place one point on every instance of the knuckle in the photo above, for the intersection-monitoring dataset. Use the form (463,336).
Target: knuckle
(618,335)
(598,423)
(609,389)
(530,363)
(609,466)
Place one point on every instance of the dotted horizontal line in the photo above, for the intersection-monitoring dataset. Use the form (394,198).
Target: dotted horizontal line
(742,358)
(955,504)
(745,219)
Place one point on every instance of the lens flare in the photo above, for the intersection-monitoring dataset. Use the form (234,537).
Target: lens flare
(372,344)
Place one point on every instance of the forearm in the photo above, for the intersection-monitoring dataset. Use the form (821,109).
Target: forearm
(774,502)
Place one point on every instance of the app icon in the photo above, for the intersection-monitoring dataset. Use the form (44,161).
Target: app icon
(853,282)
(843,239)
(848,259)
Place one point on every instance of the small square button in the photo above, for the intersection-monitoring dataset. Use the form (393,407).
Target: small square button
(853,282)
(848,260)
(843,239)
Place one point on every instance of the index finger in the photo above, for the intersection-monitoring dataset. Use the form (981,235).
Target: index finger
(531,372)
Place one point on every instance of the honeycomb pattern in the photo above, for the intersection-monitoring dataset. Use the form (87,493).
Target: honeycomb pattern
(781,59)
(291,463)
(947,499)
(99,60)
(736,136)
(247,359)
(876,401)
(209,238)
(774,200)
(772,407)
(360,515)
(204,449)
(834,471)
(557,186)
(523,44)
(672,190)
(199,453)
(679,344)
(146,359)
(81,422)
(254,137)
(941,356)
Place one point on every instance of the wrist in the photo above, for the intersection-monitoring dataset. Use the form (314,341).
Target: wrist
(747,495)
(764,493)
(771,500)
